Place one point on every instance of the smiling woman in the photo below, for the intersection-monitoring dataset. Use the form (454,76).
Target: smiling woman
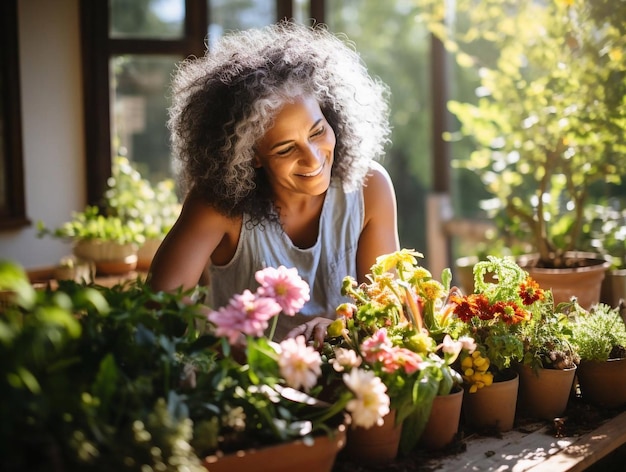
(280,169)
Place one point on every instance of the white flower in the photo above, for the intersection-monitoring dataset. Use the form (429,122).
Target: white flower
(299,364)
(371,402)
(235,418)
(469,344)
(345,359)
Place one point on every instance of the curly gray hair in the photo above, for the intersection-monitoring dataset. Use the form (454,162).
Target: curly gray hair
(224,102)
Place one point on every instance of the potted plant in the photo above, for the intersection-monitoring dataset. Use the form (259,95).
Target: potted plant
(383,331)
(549,364)
(125,232)
(496,316)
(599,336)
(548,119)
(97,378)
(108,241)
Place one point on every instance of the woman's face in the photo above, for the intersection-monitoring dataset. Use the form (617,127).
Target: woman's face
(297,151)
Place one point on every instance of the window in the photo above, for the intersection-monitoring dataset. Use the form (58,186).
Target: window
(130,50)
(12,204)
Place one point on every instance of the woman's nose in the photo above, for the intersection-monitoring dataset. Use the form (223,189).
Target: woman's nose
(312,154)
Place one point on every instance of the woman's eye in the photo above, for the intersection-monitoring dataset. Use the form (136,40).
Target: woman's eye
(319,132)
(285,151)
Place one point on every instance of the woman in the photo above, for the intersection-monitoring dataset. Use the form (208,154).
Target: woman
(276,131)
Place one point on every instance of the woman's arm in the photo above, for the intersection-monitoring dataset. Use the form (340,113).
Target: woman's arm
(199,235)
(380,228)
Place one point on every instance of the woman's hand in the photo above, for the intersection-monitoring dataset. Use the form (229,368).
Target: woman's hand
(314,329)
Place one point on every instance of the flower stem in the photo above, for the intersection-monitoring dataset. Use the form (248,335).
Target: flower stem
(273,328)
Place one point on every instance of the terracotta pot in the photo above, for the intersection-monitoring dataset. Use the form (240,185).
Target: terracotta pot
(292,456)
(613,287)
(146,253)
(109,257)
(583,282)
(492,408)
(603,383)
(443,422)
(375,445)
(544,394)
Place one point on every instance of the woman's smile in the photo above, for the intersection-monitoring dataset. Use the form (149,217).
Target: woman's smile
(315,173)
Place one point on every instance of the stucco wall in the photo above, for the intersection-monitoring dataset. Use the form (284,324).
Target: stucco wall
(52,126)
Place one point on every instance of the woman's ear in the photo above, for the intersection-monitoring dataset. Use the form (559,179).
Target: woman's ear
(256,163)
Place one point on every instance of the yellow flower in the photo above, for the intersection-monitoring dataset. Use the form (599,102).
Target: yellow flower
(432,290)
(421,343)
(402,258)
(615,54)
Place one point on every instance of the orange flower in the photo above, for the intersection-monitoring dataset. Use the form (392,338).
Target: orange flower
(530,291)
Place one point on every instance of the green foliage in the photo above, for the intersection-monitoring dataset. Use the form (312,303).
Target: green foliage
(605,228)
(598,334)
(134,210)
(153,209)
(92,225)
(90,377)
(547,340)
(550,114)
(98,378)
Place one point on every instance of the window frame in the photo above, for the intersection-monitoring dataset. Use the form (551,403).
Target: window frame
(13,212)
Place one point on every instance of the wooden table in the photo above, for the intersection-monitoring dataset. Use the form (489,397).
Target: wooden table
(535,448)
(530,446)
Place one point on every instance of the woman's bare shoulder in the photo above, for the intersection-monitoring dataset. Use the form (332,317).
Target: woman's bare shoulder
(377,185)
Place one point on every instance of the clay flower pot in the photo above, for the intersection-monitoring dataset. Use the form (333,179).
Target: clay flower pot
(544,394)
(375,445)
(492,408)
(285,457)
(443,422)
(603,383)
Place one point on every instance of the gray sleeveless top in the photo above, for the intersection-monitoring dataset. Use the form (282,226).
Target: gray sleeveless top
(323,266)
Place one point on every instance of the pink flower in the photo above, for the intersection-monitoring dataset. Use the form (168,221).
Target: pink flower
(377,347)
(299,364)
(246,313)
(285,286)
(410,361)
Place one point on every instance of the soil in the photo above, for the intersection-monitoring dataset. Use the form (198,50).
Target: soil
(579,418)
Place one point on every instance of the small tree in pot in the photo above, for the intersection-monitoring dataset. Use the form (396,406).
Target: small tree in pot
(550,114)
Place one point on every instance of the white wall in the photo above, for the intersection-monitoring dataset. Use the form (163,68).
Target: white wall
(52,127)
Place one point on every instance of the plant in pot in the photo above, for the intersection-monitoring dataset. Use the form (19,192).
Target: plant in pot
(550,360)
(383,331)
(599,336)
(108,241)
(547,121)
(98,378)
(495,316)
(125,232)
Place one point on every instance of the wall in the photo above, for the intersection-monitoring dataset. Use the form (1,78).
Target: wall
(52,126)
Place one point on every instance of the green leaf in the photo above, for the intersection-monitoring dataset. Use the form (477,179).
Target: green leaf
(13,279)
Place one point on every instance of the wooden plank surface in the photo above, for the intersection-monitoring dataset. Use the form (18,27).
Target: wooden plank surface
(535,449)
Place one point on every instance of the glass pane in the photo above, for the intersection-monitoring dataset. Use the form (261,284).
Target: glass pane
(159,19)
(395,48)
(139,103)
(302,11)
(227,15)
